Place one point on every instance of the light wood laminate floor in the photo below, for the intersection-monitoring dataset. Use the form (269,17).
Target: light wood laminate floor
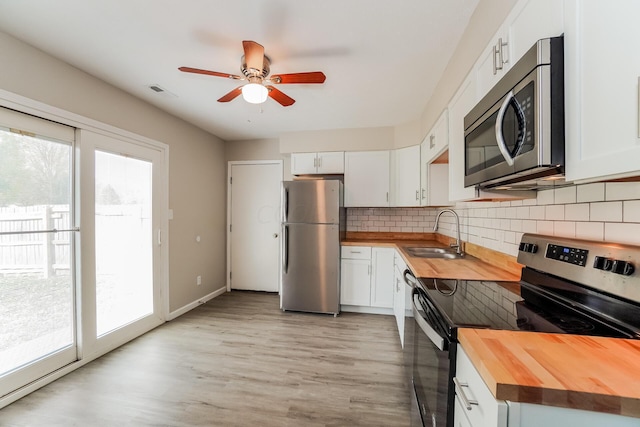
(236,361)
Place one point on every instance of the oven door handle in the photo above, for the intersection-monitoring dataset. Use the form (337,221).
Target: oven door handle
(434,336)
(409,278)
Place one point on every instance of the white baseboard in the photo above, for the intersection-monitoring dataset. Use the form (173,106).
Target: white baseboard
(182,310)
(367,310)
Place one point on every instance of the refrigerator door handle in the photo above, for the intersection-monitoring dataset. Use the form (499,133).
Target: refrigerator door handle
(285,257)
(286,205)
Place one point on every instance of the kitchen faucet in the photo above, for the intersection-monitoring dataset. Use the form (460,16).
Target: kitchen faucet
(457,245)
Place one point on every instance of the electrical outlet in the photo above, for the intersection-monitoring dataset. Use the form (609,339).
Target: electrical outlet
(199,280)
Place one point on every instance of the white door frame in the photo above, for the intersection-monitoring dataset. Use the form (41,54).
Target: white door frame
(39,109)
(229,164)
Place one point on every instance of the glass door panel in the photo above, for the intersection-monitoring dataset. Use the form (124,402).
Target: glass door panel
(124,240)
(37,293)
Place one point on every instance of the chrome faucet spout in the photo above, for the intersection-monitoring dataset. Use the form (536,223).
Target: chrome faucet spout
(457,245)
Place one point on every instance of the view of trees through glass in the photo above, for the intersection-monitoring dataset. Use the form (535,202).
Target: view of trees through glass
(36,286)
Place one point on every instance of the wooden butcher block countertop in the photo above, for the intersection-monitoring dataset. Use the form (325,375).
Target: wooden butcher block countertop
(478,264)
(571,371)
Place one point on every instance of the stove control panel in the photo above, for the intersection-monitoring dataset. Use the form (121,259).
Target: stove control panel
(608,267)
(567,254)
(614,265)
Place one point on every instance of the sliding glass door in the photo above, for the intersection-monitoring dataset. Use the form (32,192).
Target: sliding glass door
(124,242)
(122,198)
(37,241)
(82,257)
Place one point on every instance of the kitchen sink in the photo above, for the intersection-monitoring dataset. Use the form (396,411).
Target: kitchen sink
(441,253)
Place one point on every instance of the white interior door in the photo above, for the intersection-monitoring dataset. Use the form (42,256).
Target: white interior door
(254,225)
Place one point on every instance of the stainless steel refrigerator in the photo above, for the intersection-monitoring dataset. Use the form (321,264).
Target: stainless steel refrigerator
(313,222)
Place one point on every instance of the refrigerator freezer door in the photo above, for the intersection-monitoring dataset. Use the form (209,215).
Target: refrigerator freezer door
(313,201)
(311,268)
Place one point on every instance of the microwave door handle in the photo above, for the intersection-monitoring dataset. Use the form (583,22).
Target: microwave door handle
(431,333)
(502,145)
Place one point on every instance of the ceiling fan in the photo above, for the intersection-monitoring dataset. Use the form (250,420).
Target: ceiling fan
(255,70)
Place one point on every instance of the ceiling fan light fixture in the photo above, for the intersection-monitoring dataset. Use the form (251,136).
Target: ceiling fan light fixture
(254,93)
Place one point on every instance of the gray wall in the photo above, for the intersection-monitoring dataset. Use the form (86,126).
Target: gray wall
(196,164)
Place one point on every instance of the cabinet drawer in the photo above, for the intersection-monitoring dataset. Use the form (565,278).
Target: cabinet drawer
(486,411)
(356,252)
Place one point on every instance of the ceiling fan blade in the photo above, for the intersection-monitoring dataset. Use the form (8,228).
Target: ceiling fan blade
(209,73)
(231,95)
(253,55)
(280,97)
(299,78)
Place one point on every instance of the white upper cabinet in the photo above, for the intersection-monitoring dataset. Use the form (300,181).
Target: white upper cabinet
(434,179)
(532,20)
(366,178)
(406,163)
(437,140)
(528,22)
(494,61)
(317,163)
(602,71)
(462,102)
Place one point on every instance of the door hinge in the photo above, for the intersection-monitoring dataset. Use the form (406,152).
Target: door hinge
(229,228)
(230,180)
(229,275)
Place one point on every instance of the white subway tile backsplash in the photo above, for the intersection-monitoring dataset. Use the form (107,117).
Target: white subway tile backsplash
(545,227)
(536,212)
(564,228)
(529,226)
(545,197)
(554,212)
(590,230)
(565,195)
(523,212)
(631,211)
(590,192)
(579,211)
(622,232)
(606,211)
(622,190)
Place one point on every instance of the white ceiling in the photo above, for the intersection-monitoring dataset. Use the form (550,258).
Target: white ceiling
(382,58)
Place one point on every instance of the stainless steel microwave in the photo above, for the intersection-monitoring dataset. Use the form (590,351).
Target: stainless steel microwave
(514,137)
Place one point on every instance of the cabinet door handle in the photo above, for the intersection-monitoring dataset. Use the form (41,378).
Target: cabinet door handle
(495,59)
(319,162)
(460,392)
(417,195)
(387,196)
(432,140)
(423,194)
(315,160)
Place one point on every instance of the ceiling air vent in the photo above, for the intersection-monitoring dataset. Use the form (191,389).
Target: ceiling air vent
(162,91)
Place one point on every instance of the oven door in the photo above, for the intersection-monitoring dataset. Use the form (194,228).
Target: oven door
(433,364)
(504,140)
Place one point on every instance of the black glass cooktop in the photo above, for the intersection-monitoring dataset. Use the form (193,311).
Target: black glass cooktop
(521,306)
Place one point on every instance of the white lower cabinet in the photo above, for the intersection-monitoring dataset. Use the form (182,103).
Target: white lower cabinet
(355,275)
(366,277)
(399,297)
(382,278)
(475,406)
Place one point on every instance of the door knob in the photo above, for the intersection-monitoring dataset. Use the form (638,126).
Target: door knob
(275,235)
